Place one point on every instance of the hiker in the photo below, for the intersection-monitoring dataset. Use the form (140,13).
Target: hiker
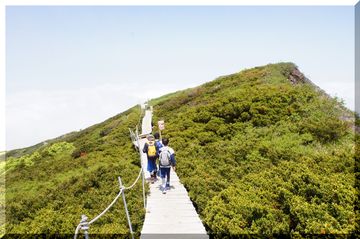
(152,154)
(166,161)
(158,145)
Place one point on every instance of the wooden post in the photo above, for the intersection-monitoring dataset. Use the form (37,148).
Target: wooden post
(126,209)
(142,167)
(161,126)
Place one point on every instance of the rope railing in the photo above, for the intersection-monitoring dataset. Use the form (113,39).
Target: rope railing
(130,187)
(84,224)
(110,205)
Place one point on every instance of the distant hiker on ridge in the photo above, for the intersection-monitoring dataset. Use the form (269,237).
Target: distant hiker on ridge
(166,161)
(152,154)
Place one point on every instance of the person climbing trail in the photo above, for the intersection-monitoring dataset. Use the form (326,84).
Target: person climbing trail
(158,145)
(166,162)
(152,154)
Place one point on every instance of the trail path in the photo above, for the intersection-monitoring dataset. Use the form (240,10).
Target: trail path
(171,215)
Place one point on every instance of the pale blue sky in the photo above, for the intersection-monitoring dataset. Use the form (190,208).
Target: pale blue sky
(70,67)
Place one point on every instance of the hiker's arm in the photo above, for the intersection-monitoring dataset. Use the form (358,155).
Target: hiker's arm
(172,159)
(157,149)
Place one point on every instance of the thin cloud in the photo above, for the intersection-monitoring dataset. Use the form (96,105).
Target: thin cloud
(64,110)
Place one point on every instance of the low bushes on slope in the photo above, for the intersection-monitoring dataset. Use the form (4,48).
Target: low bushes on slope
(48,190)
(263,154)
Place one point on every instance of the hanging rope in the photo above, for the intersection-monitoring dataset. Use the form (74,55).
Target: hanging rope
(81,224)
(137,179)
(84,225)
(108,207)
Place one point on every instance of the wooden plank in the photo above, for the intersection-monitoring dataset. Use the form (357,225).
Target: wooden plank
(173,236)
(171,215)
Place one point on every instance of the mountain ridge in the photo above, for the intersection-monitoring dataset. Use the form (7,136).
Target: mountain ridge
(295,77)
(257,150)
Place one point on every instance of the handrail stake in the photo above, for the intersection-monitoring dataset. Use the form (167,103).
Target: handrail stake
(142,167)
(126,209)
(133,138)
(143,188)
(85,227)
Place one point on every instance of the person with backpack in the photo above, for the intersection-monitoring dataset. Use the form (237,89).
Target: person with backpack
(166,162)
(158,145)
(152,154)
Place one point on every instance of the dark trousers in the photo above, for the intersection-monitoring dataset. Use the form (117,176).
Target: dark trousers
(165,172)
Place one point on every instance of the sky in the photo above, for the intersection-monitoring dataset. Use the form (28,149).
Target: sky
(70,67)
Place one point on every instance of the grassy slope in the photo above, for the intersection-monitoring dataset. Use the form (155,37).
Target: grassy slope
(256,153)
(48,190)
(259,154)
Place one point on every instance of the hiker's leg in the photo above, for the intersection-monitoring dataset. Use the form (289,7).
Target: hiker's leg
(150,169)
(153,168)
(149,165)
(168,177)
(163,174)
(159,171)
(162,170)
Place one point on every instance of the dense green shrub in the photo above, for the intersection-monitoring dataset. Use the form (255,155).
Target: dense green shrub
(264,155)
(259,154)
(48,190)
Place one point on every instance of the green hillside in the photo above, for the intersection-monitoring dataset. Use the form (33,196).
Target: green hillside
(49,189)
(262,151)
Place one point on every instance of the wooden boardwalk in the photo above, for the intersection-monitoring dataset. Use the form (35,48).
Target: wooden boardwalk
(171,215)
